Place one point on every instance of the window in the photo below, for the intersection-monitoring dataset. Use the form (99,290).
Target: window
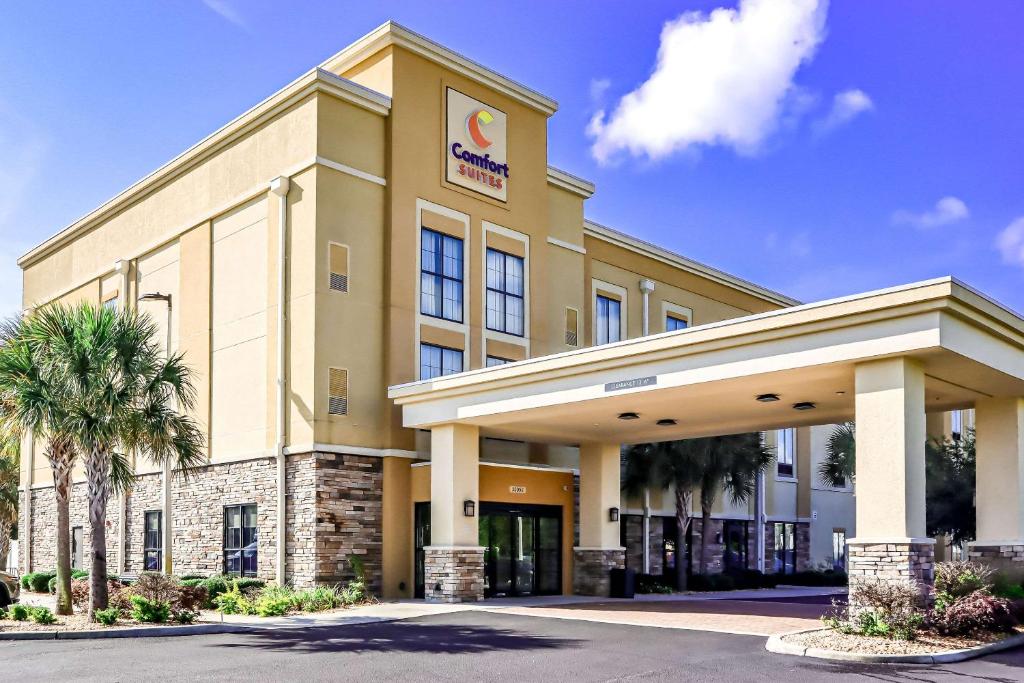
(572,329)
(436,361)
(839,549)
(493,361)
(337,392)
(957,424)
(785,547)
(153,542)
(735,539)
(785,452)
(111,303)
(77,547)
(608,313)
(441,276)
(240,540)
(505,308)
(338,258)
(673,323)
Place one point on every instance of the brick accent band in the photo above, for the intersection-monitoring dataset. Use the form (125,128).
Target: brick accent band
(591,572)
(453,574)
(896,562)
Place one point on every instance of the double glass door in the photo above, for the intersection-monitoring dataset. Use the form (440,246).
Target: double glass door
(522,549)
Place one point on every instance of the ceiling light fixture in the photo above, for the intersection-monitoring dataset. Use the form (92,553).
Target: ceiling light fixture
(804,405)
(666,422)
(768,398)
(628,416)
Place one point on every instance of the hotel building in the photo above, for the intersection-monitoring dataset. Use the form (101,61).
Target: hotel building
(347,264)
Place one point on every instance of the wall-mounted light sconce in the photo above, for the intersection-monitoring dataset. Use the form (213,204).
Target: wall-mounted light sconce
(613,514)
(469,508)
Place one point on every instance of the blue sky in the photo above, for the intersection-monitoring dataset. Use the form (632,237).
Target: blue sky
(818,150)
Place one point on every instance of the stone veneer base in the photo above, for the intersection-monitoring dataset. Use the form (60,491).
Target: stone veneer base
(453,574)
(1006,557)
(909,562)
(591,572)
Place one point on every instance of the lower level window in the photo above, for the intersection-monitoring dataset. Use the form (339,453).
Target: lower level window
(153,542)
(493,361)
(437,361)
(839,549)
(240,540)
(785,547)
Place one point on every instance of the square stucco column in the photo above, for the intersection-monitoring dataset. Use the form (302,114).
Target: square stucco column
(891,545)
(600,549)
(454,560)
(999,433)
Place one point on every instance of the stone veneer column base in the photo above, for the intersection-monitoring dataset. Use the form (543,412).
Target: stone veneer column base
(453,574)
(1006,557)
(908,561)
(591,570)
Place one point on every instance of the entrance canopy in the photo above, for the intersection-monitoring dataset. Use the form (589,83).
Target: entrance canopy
(709,379)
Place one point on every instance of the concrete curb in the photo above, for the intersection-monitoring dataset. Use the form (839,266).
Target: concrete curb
(777,645)
(143,632)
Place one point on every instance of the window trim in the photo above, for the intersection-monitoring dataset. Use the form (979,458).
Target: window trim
(419,353)
(775,549)
(565,318)
(146,548)
(602,288)
(504,361)
(224,541)
(504,291)
(792,476)
(461,279)
(676,311)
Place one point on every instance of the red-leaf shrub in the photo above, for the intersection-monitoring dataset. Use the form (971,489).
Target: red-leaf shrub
(975,613)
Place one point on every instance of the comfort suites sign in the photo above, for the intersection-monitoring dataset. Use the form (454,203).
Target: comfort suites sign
(476,154)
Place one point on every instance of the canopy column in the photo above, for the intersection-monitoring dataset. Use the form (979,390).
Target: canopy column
(600,549)
(891,545)
(999,445)
(454,560)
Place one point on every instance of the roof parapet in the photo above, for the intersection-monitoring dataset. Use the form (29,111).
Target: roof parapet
(571,183)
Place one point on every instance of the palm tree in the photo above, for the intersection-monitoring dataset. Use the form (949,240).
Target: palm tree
(840,464)
(668,464)
(122,396)
(31,403)
(10,473)
(729,464)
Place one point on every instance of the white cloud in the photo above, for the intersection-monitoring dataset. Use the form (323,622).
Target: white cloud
(1010,243)
(721,79)
(947,210)
(598,88)
(846,106)
(227,12)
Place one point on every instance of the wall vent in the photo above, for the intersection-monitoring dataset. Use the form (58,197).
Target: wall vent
(572,329)
(339,267)
(337,401)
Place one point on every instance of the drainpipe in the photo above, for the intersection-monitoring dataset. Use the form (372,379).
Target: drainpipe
(646,287)
(121,267)
(279,186)
(759,520)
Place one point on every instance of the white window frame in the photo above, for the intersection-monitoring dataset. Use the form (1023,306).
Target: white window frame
(596,287)
(675,310)
(520,341)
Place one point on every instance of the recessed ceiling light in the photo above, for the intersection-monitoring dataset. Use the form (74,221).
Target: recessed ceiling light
(840,393)
(628,416)
(768,398)
(804,405)
(666,422)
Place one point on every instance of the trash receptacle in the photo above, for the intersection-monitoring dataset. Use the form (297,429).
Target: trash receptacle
(623,583)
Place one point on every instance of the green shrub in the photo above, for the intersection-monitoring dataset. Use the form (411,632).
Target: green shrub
(40,581)
(234,601)
(248,586)
(192,577)
(192,582)
(649,583)
(149,611)
(3,613)
(958,579)
(978,612)
(42,615)
(107,617)
(214,585)
(885,610)
(354,593)
(18,612)
(272,606)
(25,579)
(51,587)
(183,616)
(79,574)
(1003,587)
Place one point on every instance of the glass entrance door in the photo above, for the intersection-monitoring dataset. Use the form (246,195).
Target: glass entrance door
(522,549)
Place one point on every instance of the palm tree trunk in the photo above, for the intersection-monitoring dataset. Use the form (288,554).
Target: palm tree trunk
(682,526)
(61,463)
(705,527)
(97,474)
(5,542)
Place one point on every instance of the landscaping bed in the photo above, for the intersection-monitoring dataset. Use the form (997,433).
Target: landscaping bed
(925,643)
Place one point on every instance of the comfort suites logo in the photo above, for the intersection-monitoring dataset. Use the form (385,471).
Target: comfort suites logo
(476,145)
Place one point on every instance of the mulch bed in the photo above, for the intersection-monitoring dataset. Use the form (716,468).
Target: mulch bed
(80,622)
(927,643)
